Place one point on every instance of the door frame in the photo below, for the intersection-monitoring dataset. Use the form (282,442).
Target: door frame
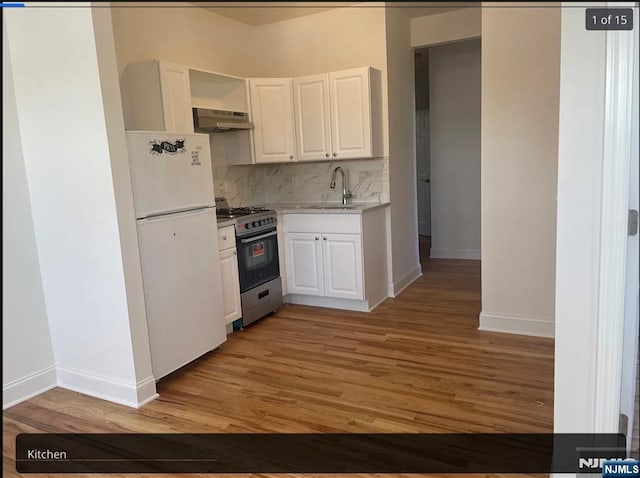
(618,135)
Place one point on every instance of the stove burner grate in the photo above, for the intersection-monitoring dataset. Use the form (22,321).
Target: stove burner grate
(240,211)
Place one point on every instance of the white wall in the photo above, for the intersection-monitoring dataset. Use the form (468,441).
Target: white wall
(446,27)
(520,89)
(63,123)
(28,365)
(402,152)
(454,84)
(337,39)
(121,180)
(188,36)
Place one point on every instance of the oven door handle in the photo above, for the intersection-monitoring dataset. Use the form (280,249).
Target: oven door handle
(257,238)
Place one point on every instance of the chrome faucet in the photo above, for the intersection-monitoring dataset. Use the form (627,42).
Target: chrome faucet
(345,193)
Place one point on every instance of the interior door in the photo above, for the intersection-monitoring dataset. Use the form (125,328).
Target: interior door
(304,264)
(423,172)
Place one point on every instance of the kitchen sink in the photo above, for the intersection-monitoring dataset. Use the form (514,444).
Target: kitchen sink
(333,206)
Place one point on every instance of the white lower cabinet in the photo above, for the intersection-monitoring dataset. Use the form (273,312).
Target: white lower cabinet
(342,265)
(304,264)
(324,264)
(230,278)
(230,285)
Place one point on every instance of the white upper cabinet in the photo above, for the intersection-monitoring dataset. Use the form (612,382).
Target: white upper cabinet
(157,97)
(272,114)
(328,116)
(160,96)
(313,117)
(350,93)
(337,115)
(176,97)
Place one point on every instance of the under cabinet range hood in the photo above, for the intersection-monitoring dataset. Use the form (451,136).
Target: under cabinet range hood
(219,121)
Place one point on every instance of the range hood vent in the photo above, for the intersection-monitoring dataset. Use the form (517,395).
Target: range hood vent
(219,121)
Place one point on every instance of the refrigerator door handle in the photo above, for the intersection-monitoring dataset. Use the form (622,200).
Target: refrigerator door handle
(177,213)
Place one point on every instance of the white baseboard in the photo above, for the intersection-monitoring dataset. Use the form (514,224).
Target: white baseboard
(28,386)
(329,302)
(402,284)
(146,391)
(517,325)
(473,254)
(108,389)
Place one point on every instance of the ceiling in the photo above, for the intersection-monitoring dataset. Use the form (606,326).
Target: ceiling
(261,13)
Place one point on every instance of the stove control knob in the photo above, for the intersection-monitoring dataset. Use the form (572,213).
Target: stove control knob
(248,226)
(255,224)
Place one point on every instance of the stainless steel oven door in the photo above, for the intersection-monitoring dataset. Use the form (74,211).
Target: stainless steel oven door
(257,259)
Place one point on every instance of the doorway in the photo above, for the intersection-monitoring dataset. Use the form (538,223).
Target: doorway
(447,98)
(423,163)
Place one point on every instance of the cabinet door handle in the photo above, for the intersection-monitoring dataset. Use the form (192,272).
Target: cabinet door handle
(335,154)
(235,253)
(224,238)
(326,155)
(317,238)
(324,238)
(291,156)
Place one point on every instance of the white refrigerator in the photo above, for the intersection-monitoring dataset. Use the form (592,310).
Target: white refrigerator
(175,212)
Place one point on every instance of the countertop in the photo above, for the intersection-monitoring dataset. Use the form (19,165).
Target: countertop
(226,221)
(324,208)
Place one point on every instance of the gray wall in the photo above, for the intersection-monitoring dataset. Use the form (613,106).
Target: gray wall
(454,84)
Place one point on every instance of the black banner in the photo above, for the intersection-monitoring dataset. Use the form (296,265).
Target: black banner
(316,453)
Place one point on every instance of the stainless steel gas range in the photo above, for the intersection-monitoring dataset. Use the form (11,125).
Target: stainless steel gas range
(258,264)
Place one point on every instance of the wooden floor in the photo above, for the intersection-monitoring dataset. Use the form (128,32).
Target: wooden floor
(417,363)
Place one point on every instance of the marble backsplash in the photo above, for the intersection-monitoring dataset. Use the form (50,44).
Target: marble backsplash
(304,182)
(368,180)
(309,182)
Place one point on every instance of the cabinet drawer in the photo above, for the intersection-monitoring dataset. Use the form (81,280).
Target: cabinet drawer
(226,237)
(323,223)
